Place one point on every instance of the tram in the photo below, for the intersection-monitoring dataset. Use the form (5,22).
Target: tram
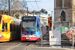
(31,28)
(9,28)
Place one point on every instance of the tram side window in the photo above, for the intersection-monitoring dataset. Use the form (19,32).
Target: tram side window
(14,27)
(10,27)
(4,27)
(37,26)
(17,28)
(0,18)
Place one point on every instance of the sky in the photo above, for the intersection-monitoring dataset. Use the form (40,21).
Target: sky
(48,5)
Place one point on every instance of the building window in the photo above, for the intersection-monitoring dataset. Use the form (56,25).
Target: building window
(59,3)
(63,16)
(67,3)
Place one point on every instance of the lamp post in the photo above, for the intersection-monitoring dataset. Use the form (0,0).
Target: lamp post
(52,19)
(27,11)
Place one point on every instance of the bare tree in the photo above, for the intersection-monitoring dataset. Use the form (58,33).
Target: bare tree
(3,5)
(18,5)
(14,5)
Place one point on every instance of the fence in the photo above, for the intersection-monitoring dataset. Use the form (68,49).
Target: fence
(67,31)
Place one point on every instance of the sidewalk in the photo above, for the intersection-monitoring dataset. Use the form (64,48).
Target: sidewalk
(46,46)
(49,48)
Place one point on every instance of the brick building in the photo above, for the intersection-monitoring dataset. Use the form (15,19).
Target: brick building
(62,8)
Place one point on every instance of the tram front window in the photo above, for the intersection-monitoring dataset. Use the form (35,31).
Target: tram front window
(28,25)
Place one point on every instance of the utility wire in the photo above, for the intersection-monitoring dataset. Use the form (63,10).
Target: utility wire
(31,5)
(37,4)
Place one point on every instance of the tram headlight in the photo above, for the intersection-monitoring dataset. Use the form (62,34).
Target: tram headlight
(34,34)
(22,35)
(0,35)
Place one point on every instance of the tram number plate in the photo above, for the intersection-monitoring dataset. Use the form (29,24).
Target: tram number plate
(28,38)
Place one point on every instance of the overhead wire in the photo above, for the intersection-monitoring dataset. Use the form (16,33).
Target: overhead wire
(37,4)
(31,5)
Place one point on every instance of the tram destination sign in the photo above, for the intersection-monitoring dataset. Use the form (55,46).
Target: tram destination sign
(28,18)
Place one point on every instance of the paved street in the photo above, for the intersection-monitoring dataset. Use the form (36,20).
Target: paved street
(15,45)
(47,49)
(18,45)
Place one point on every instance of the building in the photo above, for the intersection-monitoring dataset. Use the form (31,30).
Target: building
(63,8)
(44,19)
(15,13)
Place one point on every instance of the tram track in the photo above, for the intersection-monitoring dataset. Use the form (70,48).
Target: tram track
(13,45)
(1,43)
(30,45)
(25,45)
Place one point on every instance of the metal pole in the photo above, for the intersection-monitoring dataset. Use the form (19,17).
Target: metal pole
(39,14)
(72,12)
(33,13)
(9,6)
(73,40)
(52,20)
(27,11)
(69,32)
(42,36)
(41,39)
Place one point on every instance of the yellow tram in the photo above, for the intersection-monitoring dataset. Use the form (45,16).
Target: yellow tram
(9,28)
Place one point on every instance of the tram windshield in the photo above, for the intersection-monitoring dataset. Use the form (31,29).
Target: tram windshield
(28,25)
